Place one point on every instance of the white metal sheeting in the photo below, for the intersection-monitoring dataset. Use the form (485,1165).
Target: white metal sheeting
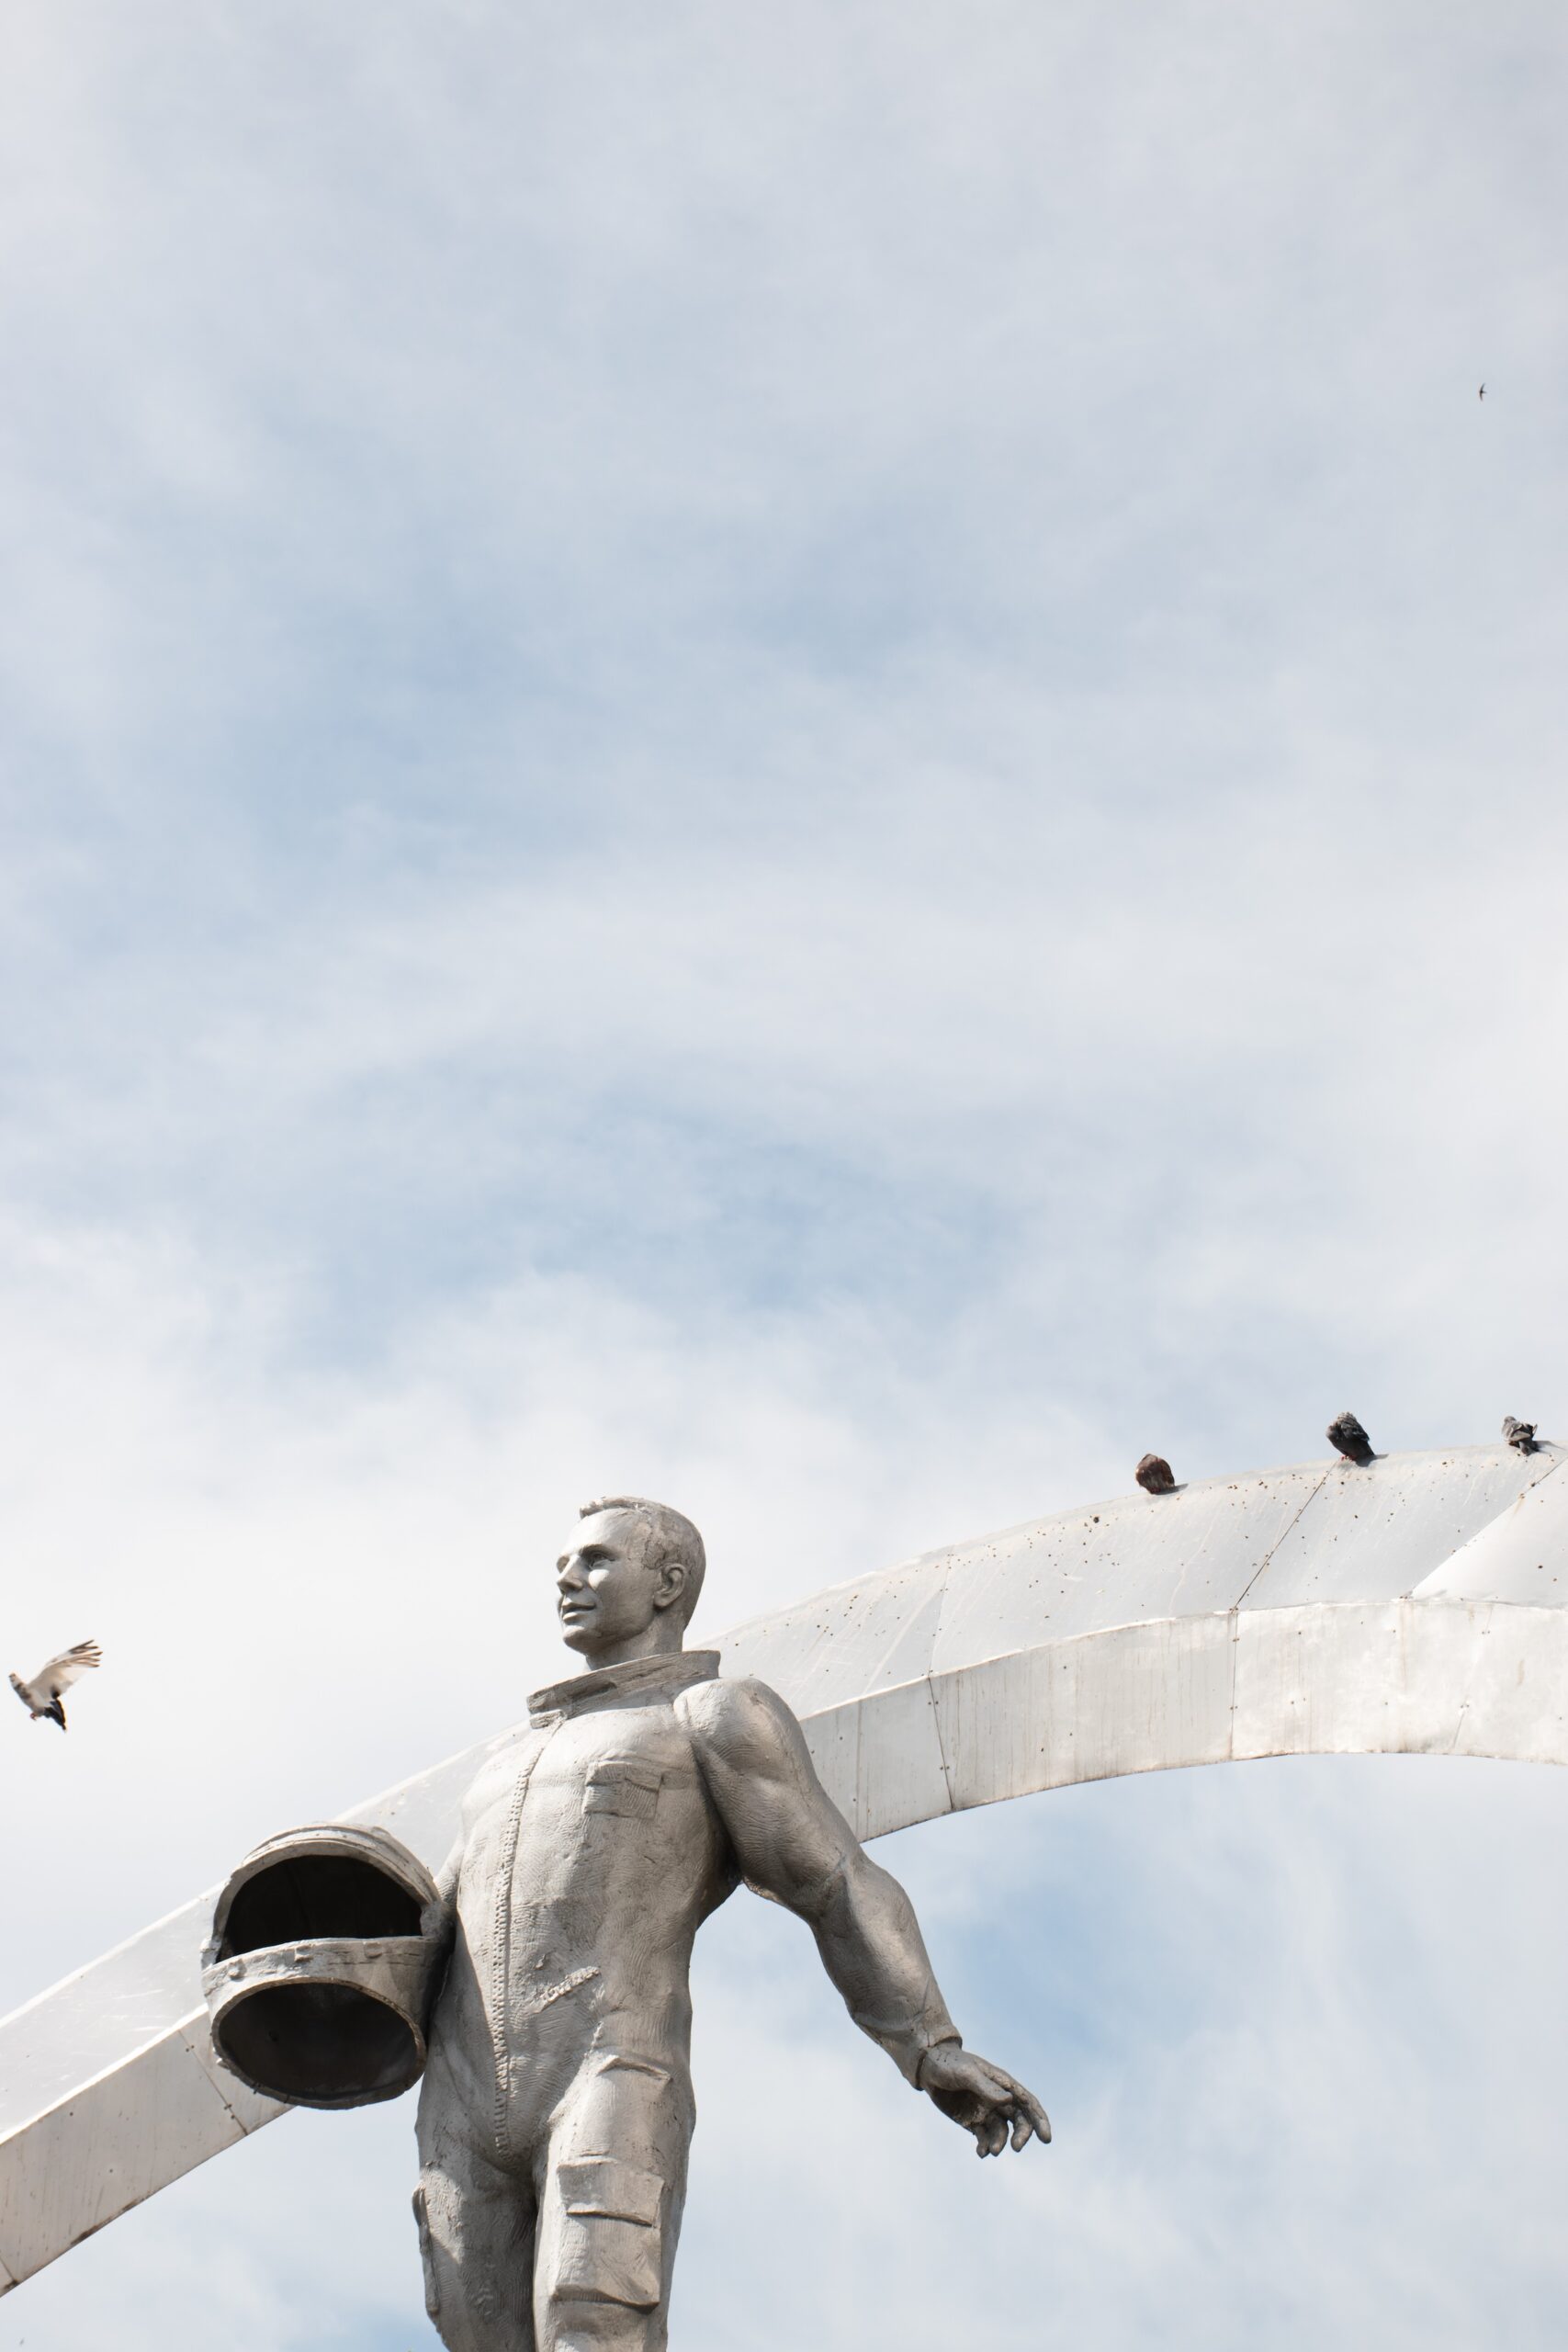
(1325,1610)
(1420,1604)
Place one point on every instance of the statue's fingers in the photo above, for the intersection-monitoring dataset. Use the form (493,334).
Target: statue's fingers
(998,2085)
(1039,2121)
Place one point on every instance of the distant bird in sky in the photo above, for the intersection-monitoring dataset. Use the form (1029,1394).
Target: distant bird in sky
(1153,1474)
(41,1695)
(1346,1432)
(1519,1434)
(1481,395)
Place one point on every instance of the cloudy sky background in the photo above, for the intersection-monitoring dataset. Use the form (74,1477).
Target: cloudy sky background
(809,759)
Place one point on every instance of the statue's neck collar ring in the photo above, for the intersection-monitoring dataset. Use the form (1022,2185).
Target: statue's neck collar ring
(672,1670)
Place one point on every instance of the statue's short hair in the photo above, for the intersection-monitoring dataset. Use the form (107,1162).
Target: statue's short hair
(667,1535)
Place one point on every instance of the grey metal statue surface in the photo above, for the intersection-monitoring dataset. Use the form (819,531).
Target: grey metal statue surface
(556,2109)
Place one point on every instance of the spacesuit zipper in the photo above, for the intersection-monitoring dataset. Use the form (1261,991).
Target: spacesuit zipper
(501,1957)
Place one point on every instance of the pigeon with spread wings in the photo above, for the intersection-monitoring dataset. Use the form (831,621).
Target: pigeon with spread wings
(41,1695)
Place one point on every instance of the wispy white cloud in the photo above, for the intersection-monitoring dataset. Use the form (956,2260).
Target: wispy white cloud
(812,763)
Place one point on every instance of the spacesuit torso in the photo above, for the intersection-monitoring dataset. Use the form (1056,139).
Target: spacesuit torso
(592,1854)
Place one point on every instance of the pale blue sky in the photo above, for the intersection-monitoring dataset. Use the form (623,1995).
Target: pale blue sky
(809,760)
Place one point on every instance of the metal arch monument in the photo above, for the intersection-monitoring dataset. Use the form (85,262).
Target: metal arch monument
(1417,1605)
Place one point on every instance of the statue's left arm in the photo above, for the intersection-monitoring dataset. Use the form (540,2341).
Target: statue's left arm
(794,1844)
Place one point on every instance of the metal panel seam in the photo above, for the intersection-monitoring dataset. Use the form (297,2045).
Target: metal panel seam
(199,2043)
(940,1744)
(1463,1709)
(1234,1616)
(1532,1486)
(1306,1505)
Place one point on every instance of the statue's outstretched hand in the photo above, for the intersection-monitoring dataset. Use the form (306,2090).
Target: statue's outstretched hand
(982,2098)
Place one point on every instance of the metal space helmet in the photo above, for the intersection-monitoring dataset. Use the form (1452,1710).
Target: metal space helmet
(326,1949)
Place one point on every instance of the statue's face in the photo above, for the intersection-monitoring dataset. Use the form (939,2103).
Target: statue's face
(606,1596)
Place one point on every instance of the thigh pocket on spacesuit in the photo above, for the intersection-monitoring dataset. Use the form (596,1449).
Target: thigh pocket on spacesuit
(426,2254)
(623,1784)
(611,2240)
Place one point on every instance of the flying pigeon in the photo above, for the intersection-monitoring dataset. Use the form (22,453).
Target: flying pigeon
(1153,1474)
(1519,1434)
(1481,395)
(41,1695)
(1345,1432)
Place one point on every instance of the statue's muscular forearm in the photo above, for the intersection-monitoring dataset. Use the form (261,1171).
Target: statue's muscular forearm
(793,1844)
(872,1947)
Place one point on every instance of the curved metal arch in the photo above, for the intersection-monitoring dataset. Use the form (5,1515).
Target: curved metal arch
(1417,1605)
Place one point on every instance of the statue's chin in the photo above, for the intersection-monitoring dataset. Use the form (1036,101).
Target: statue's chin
(580,1638)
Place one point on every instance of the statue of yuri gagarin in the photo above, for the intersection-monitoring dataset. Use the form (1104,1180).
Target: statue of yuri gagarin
(556,2109)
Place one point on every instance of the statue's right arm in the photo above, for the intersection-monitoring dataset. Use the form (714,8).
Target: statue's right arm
(794,1844)
(791,1842)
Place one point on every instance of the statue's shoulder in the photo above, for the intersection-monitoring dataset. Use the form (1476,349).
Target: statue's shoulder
(736,1715)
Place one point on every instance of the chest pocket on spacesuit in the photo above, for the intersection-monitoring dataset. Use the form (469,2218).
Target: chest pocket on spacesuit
(623,1784)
